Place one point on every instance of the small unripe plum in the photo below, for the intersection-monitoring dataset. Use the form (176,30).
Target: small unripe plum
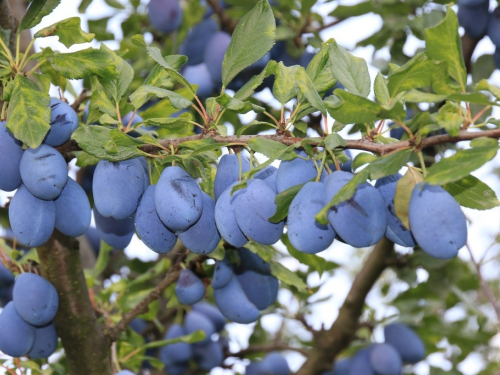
(63,122)
(44,171)
(11,153)
(165,15)
(178,199)
(436,221)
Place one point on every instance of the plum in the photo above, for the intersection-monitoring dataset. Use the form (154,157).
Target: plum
(342,367)
(225,219)
(199,75)
(116,233)
(223,272)
(150,228)
(212,313)
(261,290)
(268,175)
(406,341)
(194,44)
(165,15)
(436,221)
(274,363)
(179,352)
(44,171)
(234,304)
(214,54)
(385,359)
(228,172)
(63,122)
(475,18)
(11,153)
(45,342)
(208,356)
(16,336)
(189,288)
(73,212)
(295,172)
(304,232)
(32,219)
(195,321)
(178,199)
(361,364)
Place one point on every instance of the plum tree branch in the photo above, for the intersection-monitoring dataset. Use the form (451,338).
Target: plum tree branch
(83,340)
(327,344)
(8,22)
(112,333)
(226,21)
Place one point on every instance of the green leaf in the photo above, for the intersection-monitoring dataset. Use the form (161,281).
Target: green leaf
(156,55)
(345,193)
(286,276)
(333,141)
(381,90)
(84,63)
(404,190)
(68,31)
(180,123)
(99,28)
(415,96)
(346,11)
(473,193)
(105,143)
(451,122)
(443,44)
(459,165)
(389,164)
(29,112)
(118,87)
(486,86)
(283,201)
(414,74)
(272,149)
(253,37)
(306,88)
(249,88)
(115,4)
(351,108)
(285,84)
(36,11)
(144,93)
(351,71)
(191,338)
(361,159)
(84,4)
(319,70)
(238,106)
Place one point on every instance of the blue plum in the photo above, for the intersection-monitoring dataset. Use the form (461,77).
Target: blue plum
(397,133)
(268,175)
(254,368)
(360,221)
(274,363)
(11,153)
(178,199)
(396,231)
(32,220)
(45,342)
(43,171)
(118,187)
(16,336)
(406,341)
(195,42)
(228,172)
(253,206)
(496,58)
(202,237)
(474,19)
(195,321)
(261,290)
(347,167)
(125,372)
(385,359)
(149,227)
(223,272)
(189,288)
(179,352)
(116,233)
(6,277)
(473,2)
(208,356)
(165,15)
(214,54)
(199,75)
(226,221)
(63,122)
(35,299)
(361,364)
(342,367)
(212,313)
(234,304)
(6,294)
(250,261)
(295,172)
(138,325)
(494,27)
(304,232)
(94,240)
(73,212)
(436,221)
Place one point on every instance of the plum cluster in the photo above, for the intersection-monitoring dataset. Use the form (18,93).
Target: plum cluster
(26,327)
(477,20)
(272,364)
(402,346)
(208,353)
(46,198)
(241,291)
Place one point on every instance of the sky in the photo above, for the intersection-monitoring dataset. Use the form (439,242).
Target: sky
(483,227)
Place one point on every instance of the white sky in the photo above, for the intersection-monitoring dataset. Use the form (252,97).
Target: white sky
(482,230)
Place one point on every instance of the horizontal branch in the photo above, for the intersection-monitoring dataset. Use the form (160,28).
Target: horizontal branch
(142,307)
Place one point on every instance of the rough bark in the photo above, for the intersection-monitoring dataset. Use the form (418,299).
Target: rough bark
(87,350)
(329,343)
